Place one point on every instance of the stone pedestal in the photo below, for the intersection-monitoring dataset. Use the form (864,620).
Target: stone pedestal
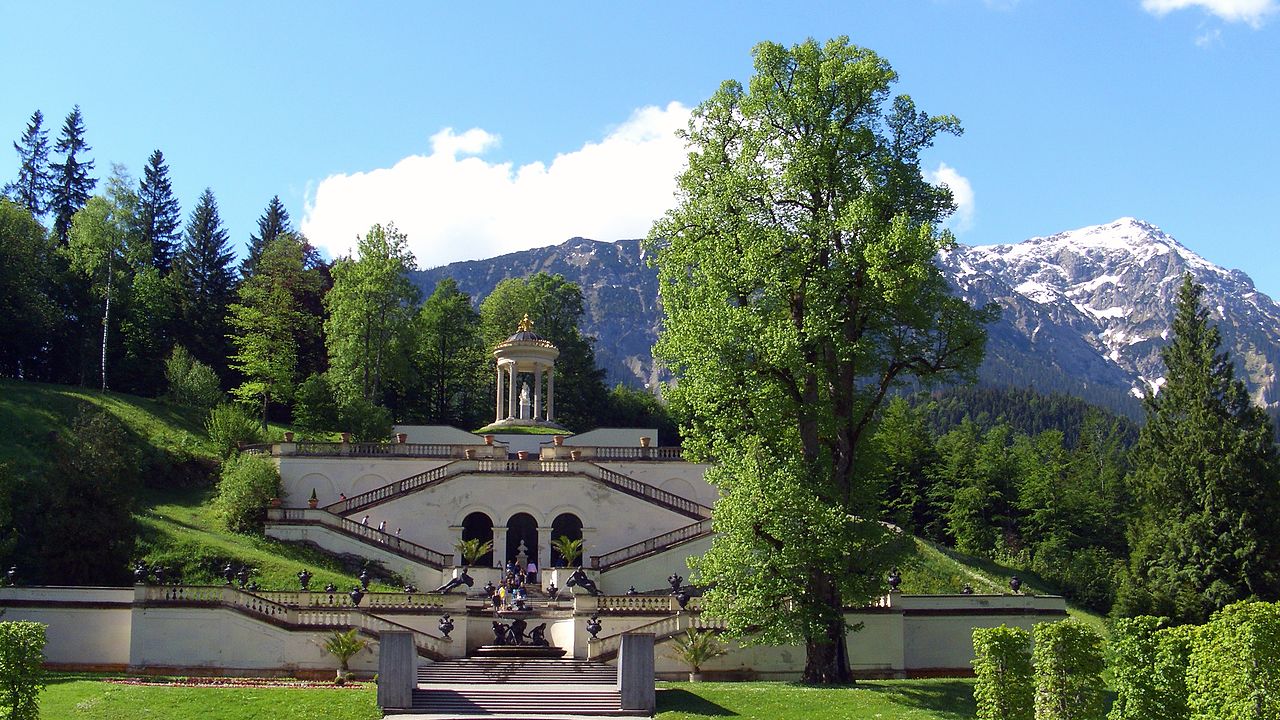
(397,669)
(635,672)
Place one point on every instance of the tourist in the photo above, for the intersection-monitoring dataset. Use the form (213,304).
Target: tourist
(382,526)
(342,497)
(532,571)
(365,521)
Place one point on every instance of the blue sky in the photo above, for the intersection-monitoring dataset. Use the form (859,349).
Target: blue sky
(482,128)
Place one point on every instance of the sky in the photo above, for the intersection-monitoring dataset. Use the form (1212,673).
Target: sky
(485,128)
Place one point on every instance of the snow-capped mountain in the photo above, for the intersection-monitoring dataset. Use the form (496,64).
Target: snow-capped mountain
(1085,312)
(1096,304)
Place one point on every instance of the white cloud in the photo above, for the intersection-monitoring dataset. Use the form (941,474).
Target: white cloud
(961,192)
(1209,38)
(1253,12)
(456,206)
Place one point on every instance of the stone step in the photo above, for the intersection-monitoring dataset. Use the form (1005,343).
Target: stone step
(495,701)
(485,671)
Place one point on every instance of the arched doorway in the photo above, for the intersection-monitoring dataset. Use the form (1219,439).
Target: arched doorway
(568,525)
(478,526)
(522,526)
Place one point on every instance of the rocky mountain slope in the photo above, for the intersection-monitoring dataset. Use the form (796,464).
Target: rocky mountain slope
(1084,311)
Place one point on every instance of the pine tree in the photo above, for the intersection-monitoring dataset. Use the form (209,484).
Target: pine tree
(71,185)
(1206,532)
(206,285)
(31,190)
(273,223)
(159,214)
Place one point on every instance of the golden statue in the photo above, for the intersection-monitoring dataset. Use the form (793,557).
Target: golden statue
(526,325)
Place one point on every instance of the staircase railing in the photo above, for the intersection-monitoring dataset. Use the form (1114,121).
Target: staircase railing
(399,487)
(645,491)
(370,535)
(606,648)
(340,614)
(614,558)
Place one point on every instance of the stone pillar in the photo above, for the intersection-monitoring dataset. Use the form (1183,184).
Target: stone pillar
(551,394)
(397,669)
(635,672)
(499,545)
(511,390)
(537,392)
(544,546)
(497,404)
(457,556)
(588,544)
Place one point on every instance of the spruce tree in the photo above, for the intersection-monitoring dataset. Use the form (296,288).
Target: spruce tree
(206,285)
(273,223)
(31,190)
(71,185)
(159,215)
(1206,532)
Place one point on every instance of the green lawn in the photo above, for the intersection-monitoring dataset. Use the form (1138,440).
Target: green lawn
(906,699)
(87,697)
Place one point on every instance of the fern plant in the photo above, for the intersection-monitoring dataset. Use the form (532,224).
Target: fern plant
(570,550)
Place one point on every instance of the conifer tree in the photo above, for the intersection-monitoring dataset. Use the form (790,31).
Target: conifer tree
(31,189)
(1206,532)
(70,184)
(206,285)
(159,214)
(273,223)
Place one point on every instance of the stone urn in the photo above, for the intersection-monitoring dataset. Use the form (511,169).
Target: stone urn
(645,441)
(469,453)
(288,436)
(402,438)
(575,454)
(488,439)
(346,437)
(313,501)
(522,455)
(557,440)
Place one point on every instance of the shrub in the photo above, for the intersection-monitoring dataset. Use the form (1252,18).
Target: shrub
(1068,671)
(314,408)
(228,425)
(695,647)
(191,382)
(248,483)
(344,646)
(22,676)
(1234,672)
(1002,666)
(365,421)
(1173,656)
(1134,652)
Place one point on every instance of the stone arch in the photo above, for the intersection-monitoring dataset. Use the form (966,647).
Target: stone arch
(681,487)
(478,525)
(522,526)
(365,483)
(326,490)
(568,524)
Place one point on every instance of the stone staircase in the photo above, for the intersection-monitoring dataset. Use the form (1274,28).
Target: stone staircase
(476,687)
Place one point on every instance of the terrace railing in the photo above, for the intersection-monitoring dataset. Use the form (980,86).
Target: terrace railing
(612,559)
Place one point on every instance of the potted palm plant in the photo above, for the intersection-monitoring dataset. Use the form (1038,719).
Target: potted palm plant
(344,646)
(570,550)
(694,647)
(473,549)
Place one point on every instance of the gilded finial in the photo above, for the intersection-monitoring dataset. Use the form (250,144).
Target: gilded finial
(526,325)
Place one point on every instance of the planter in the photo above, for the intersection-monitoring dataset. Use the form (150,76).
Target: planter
(402,438)
(288,436)
(557,440)
(312,503)
(695,677)
(575,454)
(522,455)
(346,437)
(275,502)
(488,439)
(645,440)
(470,453)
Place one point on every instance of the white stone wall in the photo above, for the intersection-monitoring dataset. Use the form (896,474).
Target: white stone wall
(613,437)
(425,577)
(650,573)
(437,435)
(330,476)
(681,478)
(87,626)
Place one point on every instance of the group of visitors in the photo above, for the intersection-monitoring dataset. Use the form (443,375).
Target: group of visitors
(510,593)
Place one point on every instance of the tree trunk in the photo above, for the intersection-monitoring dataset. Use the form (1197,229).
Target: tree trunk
(106,321)
(827,655)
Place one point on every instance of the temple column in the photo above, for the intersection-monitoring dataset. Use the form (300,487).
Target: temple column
(499,545)
(537,392)
(551,394)
(497,403)
(511,390)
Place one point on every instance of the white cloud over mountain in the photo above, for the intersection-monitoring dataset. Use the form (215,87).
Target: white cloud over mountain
(961,192)
(456,205)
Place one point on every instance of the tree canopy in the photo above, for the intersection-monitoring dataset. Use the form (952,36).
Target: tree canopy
(797,277)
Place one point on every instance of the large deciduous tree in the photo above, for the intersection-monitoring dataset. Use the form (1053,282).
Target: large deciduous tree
(797,276)
(1206,477)
(31,189)
(28,313)
(369,331)
(70,183)
(159,214)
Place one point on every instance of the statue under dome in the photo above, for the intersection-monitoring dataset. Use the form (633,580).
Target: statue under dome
(533,402)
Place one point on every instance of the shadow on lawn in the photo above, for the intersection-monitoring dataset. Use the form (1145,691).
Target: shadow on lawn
(946,698)
(675,699)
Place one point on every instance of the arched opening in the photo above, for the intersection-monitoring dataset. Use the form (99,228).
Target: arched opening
(568,525)
(478,526)
(522,526)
